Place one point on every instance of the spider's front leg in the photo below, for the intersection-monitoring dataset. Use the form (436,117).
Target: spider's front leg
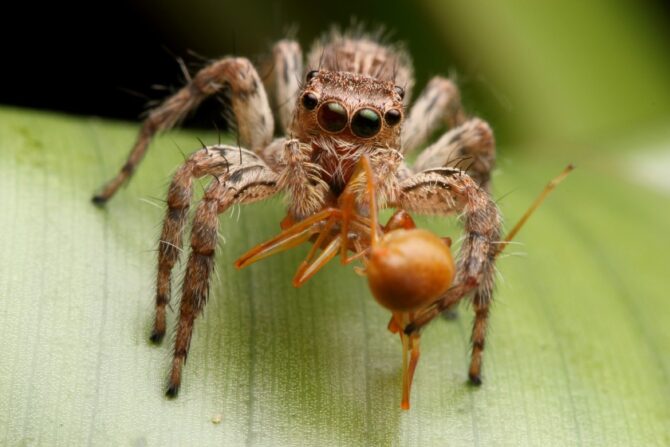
(239,177)
(448,191)
(247,179)
(215,161)
(235,76)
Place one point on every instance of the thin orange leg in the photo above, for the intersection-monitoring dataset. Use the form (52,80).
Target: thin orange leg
(289,238)
(414,359)
(410,353)
(307,270)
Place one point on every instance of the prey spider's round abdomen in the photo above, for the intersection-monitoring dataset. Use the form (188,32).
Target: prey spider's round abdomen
(409,269)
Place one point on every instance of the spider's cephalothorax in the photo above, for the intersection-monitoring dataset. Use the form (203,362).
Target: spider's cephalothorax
(343,115)
(350,101)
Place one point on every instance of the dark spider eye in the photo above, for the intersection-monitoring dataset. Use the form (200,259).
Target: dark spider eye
(309,101)
(310,75)
(392,117)
(332,116)
(400,91)
(366,123)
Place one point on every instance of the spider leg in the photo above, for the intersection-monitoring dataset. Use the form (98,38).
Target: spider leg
(249,103)
(438,104)
(285,78)
(216,161)
(470,147)
(447,191)
(248,183)
(481,308)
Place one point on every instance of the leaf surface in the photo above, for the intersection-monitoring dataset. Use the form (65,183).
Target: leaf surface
(577,352)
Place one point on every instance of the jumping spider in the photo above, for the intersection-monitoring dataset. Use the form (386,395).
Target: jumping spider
(351,103)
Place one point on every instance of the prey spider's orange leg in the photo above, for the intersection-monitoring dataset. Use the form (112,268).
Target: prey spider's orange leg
(410,353)
(413,360)
(408,377)
(347,205)
(410,348)
(289,238)
(349,217)
(296,233)
(399,319)
(370,189)
(410,343)
(307,270)
(308,267)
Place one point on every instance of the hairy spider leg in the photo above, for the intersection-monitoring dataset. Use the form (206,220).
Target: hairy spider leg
(456,293)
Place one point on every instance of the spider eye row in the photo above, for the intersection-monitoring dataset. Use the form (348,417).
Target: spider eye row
(333,117)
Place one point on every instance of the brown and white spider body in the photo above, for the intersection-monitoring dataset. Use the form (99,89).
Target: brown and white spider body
(349,103)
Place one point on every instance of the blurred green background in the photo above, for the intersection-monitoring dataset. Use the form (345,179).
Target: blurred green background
(555,75)
(579,347)
(561,75)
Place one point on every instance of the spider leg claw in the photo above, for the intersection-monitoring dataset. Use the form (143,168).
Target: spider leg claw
(156,337)
(172,391)
(99,200)
(475,379)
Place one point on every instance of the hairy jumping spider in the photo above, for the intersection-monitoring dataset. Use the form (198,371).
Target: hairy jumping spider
(352,100)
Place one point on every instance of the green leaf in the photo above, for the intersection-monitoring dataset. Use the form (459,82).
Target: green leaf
(577,352)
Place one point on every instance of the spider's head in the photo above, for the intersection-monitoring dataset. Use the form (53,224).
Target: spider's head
(349,107)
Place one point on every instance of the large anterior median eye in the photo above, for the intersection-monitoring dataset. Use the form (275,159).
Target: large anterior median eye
(332,116)
(366,123)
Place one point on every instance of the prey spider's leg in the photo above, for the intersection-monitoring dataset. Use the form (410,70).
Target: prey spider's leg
(307,264)
(285,79)
(360,184)
(307,270)
(244,185)
(470,146)
(446,191)
(288,238)
(438,104)
(349,218)
(214,160)
(399,319)
(249,103)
